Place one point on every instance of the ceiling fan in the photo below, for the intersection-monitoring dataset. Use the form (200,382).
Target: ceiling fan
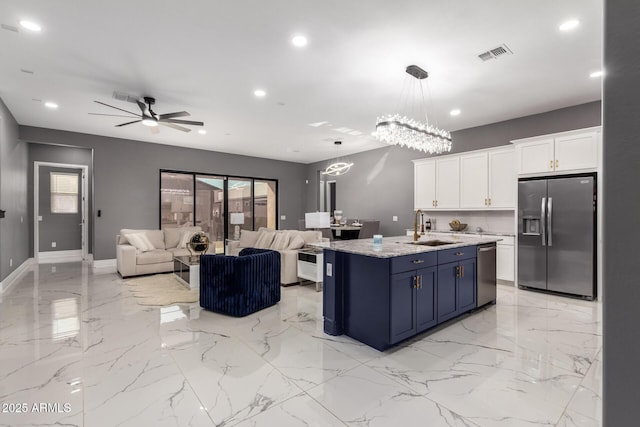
(149,118)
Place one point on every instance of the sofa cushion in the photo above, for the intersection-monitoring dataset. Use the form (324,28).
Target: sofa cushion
(311,236)
(296,242)
(154,257)
(140,241)
(185,237)
(280,241)
(179,252)
(248,238)
(156,237)
(172,235)
(264,239)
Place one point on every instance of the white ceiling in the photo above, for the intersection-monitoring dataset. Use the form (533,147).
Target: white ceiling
(207,57)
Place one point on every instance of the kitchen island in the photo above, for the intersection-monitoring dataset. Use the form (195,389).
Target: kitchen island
(381,295)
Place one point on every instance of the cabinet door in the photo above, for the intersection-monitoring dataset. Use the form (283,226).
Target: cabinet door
(426,298)
(424,185)
(448,183)
(473,181)
(579,151)
(535,156)
(505,262)
(502,179)
(447,293)
(402,306)
(467,286)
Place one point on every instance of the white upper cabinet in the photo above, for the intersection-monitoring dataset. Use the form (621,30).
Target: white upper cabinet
(502,178)
(424,184)
(474,182)
(563,152)
(488,179)
(579,151)
(436,183)
(448,183)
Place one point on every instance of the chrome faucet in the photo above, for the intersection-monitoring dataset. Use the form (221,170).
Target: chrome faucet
(416,236)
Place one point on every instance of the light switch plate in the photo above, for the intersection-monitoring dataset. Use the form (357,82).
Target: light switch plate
(395,218)
(283,217)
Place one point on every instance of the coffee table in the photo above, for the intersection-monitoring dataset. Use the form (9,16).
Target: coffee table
(187,270)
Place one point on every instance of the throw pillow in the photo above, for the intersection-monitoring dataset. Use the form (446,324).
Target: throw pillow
(140,241)
(265,239)
(248,238)
(280,241)
(296,242)
(184,238)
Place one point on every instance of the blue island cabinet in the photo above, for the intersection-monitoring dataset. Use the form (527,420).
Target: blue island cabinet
(381,301)
(456,282)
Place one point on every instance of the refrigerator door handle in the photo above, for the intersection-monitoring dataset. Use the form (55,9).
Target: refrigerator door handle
(543,206)
(549,224)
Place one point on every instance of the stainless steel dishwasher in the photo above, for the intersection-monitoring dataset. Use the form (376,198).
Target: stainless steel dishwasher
(486,274)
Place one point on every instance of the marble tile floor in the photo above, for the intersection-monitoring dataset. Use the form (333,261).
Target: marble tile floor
(77,350)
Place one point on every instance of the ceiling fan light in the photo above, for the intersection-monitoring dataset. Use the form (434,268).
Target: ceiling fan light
(149,122)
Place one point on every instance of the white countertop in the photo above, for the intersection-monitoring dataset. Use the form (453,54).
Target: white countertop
(477,233)
(400,245)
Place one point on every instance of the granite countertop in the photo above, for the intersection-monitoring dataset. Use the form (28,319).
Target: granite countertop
(399,245)
(476,233)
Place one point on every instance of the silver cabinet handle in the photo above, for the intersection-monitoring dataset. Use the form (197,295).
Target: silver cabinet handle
(549,223)
(492,248)
(543,206)
(418,261)
(459,253)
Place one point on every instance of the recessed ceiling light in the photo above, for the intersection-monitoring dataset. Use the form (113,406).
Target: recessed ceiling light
(569,25)
(51,105)
(31,26)
(596,74)
(455,112)
(202,131)
(259,93)
(299,41)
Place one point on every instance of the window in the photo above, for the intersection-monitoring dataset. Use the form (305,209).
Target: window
(64,193)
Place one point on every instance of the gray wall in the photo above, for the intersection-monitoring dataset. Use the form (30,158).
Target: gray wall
(621,301)
(59,154)
(126,179)
(380,184)
(13,195)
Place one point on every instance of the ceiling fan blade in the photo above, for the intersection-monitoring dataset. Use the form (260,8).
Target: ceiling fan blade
(154,129)
(182,122)
(112,115)
(172,115)
(128,123)
(176,127)
(111,106)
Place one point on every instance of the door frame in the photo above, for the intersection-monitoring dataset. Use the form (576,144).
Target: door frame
(84,205)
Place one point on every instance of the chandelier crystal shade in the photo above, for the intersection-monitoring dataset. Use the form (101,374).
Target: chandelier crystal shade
(396,129)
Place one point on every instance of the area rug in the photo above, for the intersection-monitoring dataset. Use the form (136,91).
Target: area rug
(161,289)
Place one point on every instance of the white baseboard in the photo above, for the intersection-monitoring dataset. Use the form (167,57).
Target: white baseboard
(15,275)
(51,257)
(105,265)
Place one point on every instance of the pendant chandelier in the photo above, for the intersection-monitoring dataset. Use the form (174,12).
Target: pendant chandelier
(338,167)
(397,129)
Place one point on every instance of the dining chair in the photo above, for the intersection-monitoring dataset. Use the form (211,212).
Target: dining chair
(368,229)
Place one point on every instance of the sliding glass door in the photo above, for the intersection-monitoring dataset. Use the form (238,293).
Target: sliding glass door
(220,205)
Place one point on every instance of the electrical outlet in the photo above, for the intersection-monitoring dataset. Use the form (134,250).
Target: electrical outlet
(21,220)
(283,217)
(11,262)
(395,218)
(53,269)
(329,269)
(53,244)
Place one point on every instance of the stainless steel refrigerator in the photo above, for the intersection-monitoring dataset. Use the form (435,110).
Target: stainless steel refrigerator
(557,234)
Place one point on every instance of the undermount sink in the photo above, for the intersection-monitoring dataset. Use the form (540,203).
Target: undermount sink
(430,242)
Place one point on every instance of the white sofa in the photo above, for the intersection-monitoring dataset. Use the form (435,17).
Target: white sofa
(287,242)
(136,257)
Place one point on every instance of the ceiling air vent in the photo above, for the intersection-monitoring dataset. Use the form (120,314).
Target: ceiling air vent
(494,53)
(120,96)
(9,27)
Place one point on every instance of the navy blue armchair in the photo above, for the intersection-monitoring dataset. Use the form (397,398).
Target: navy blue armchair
(240,285)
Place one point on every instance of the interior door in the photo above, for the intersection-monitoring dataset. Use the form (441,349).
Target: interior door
(60,216)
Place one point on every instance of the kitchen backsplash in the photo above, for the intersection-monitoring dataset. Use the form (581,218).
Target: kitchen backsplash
(489,221)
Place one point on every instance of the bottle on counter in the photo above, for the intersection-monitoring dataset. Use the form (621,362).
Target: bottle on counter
(427,224)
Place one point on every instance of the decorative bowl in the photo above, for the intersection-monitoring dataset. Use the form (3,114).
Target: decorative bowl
(457,226)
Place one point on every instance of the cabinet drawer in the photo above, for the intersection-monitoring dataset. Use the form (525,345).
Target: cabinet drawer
(456,254)
(413,262)
(506,240)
